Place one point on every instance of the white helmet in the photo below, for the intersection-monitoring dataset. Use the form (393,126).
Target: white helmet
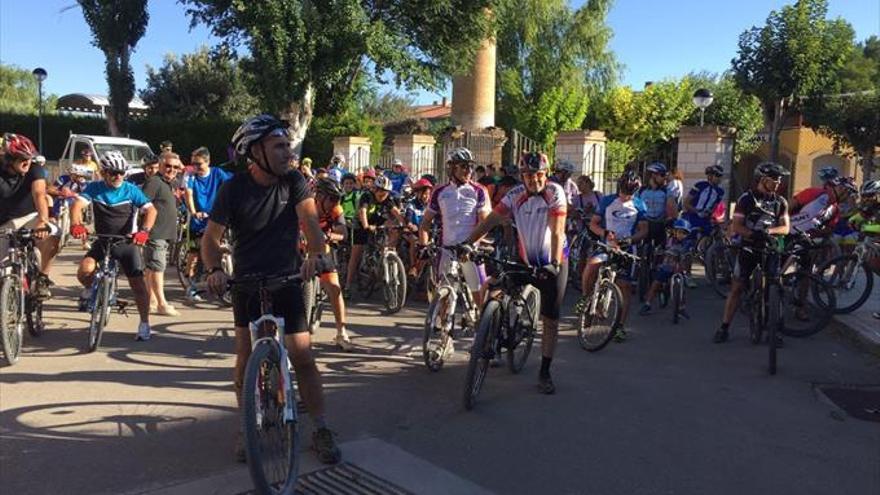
(384,183)
(458,155)
(565,166)
(255,129)
(77,169)
(39,160)
(113,161)
(339,159)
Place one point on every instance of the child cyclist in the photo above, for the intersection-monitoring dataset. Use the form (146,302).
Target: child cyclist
(678,250)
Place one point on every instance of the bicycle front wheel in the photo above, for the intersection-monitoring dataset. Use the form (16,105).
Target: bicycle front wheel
(34,312)
(482,352)
(852,282)
(597,325)
(100,314)
(522,334)
(808,304)
(394,288)
(438,327)
(270,441)
(11,331)
(719,268)
(312,304)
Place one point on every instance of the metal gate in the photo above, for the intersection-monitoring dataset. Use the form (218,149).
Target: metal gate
(482,145)
(518,144)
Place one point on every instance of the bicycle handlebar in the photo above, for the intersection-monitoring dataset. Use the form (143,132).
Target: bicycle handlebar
(617,251)
(263,279)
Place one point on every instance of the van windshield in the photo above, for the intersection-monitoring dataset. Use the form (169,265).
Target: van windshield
(133,153)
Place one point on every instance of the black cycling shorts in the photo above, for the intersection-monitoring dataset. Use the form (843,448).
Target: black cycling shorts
(127,255)
(553,292)
(287,302)
(360,237)
(747,261)
(657,233)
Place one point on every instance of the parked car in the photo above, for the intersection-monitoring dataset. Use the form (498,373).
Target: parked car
(133,150)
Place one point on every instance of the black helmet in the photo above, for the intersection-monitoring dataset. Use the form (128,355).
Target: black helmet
(629,182)
(329,187)
(716,170)
(348,176)
(770,169)
(533,161)
(255,129)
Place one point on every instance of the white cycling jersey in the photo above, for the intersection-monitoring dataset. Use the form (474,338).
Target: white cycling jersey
(459,208)
(531,213)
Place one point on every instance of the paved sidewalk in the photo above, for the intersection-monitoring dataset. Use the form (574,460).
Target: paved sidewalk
(861,326)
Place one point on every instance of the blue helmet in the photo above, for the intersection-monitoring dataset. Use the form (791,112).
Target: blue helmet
(828,173)
(681,224)
(657,168)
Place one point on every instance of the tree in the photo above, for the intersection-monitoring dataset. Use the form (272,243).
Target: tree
(862,69)
(199,85)
(117,26)
(852,120)
(550,58)
(19,92)
(302,50)
(798,52)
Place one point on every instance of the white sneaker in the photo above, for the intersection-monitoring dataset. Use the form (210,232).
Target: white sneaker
(143,333)
(449,350)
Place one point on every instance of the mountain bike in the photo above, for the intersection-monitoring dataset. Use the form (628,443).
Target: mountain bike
(581,246)
(808,300)
(382,266)
(19,306)
(451,293)
(269,416)
(199,277)
(103,290)
(720,260)
(601,313)
(508,322)
(764,301)
(850,276)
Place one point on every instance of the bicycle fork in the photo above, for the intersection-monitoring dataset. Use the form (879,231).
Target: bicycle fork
(278,342)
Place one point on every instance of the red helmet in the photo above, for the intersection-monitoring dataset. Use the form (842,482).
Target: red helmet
(422,184)
(18,146)
(370,173)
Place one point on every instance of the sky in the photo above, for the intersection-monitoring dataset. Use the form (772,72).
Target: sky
(654,39)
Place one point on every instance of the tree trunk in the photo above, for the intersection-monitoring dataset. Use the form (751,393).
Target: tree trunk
(866,157)
(299,115)
(776,129)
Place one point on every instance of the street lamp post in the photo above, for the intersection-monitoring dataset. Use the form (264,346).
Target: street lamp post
(702,99)
(40,73)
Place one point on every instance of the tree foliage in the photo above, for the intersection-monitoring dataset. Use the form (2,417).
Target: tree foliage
(550,59)
(852,121)
(117,26)
(862,69)
(199,85)
(797,53)
(19,92)
(301,50)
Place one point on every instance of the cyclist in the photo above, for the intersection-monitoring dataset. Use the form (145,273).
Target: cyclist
(67,186)
(350,196)
(368,181)
(660,205)
(703,198)
(459,205)
(331,219)
(562,175)
(759,214)
(337,168)
(867,220)
(413,212)
(400,179)
(827,173)
(538,207)
(678,248)
(620,221)
(23,202)
(201,190)
(264,207)
(376,206)
(116,204)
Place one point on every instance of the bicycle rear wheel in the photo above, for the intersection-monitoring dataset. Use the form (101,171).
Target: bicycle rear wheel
(482,352)
(100,314)
(11,332)
(312,304)
(808,314)
(437,332)
(34,312)
(521,335)
(596,328)
(270,442)
(719,268)
(852,282)
(182,257)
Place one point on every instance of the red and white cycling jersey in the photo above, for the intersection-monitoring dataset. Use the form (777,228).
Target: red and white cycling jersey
(531,213)
(818,210)
(459,207)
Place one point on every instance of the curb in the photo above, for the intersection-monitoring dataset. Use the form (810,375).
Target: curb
(860,338)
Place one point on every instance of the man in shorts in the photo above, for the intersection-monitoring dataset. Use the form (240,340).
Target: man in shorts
(159,189)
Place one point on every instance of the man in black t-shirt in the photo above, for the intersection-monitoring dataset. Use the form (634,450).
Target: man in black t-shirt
(759,214)
(264,208)
(24,203)
(159,189)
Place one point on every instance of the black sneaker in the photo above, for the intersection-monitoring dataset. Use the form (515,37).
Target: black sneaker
(41,287)
(545,385)
(779,342)
(239,451)
(721,335)
(620,335)
(325,446)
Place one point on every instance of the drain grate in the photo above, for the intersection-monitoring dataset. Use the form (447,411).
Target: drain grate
(344,479)
(859,402)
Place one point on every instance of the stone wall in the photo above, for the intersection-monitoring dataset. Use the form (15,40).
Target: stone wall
(586,149)
(417,153)
(355,149)
(699,147)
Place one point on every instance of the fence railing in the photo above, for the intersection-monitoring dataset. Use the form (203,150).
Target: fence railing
(517,144)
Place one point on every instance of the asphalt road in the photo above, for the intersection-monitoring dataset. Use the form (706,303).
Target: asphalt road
(665,412)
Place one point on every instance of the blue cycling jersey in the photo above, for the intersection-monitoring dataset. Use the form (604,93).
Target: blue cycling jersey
(705,197)
(655,202)
(115,209)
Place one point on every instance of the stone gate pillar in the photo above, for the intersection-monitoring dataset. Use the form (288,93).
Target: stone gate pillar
(355,149)
(699,147)
(586,149)
(417,153)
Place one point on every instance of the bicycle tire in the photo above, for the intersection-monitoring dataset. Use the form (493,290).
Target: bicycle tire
(481,352)
(719,271)
(34,315)
(433,349)
(849,261)
(774,323)
(98,320)
(755,308)
(394,291)
(310,300)
(182,255)
(262,368)
(820,304)
(11,332)
(675,285)
(644,281)
(609,294)
(521,335)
